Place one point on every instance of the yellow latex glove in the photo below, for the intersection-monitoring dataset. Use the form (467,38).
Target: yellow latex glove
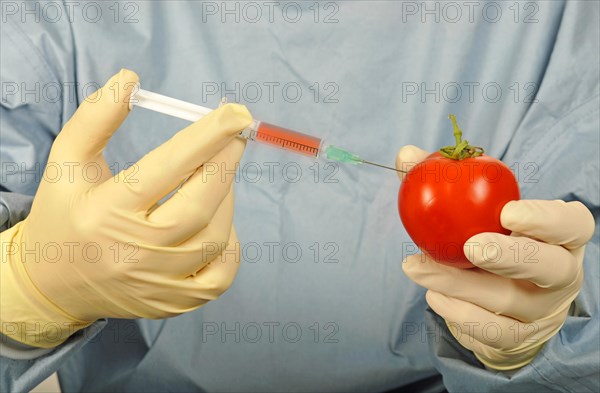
(520,294)
(98,246)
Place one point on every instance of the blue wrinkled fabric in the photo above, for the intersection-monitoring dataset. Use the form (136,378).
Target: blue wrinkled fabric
(340,316)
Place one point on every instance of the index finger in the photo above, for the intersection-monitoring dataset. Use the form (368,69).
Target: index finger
(164,168)
(569,224)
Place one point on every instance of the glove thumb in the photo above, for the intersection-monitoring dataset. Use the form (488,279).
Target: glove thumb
(86,134)
(408,157)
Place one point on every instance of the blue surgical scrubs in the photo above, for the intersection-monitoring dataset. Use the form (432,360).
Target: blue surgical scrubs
(320,302)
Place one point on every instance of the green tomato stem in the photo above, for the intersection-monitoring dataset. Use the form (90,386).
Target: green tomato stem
(461,149)
(457,131)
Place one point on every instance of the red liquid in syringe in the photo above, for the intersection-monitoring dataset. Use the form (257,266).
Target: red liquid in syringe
(288,139)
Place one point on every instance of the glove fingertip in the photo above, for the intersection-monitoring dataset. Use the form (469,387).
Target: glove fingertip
(474,247)
(409,156)
(410,265)
(128,76)
(588,224)
(234,117)
(438,302)
(509,214)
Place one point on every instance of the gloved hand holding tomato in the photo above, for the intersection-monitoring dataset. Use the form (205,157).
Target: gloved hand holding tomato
(524,274)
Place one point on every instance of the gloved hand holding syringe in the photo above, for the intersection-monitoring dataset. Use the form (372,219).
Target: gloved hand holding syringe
(259,131)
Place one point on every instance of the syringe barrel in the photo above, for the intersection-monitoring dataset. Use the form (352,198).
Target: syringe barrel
(258,131)
(287,139)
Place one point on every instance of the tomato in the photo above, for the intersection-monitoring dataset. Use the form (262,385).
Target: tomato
(444,201)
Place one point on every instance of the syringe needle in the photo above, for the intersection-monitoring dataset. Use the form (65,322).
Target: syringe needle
(258,131)
(382,166)
(340,155)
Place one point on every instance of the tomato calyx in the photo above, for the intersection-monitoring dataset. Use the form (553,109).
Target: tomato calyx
(462,149)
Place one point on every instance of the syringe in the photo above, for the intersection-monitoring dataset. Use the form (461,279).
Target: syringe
(259,131)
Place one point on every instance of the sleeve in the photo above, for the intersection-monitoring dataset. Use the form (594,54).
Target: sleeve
(38,75)
(20,374)
(13,208)
(558,142)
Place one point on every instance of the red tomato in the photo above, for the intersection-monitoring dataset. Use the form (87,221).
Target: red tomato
(443,202)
